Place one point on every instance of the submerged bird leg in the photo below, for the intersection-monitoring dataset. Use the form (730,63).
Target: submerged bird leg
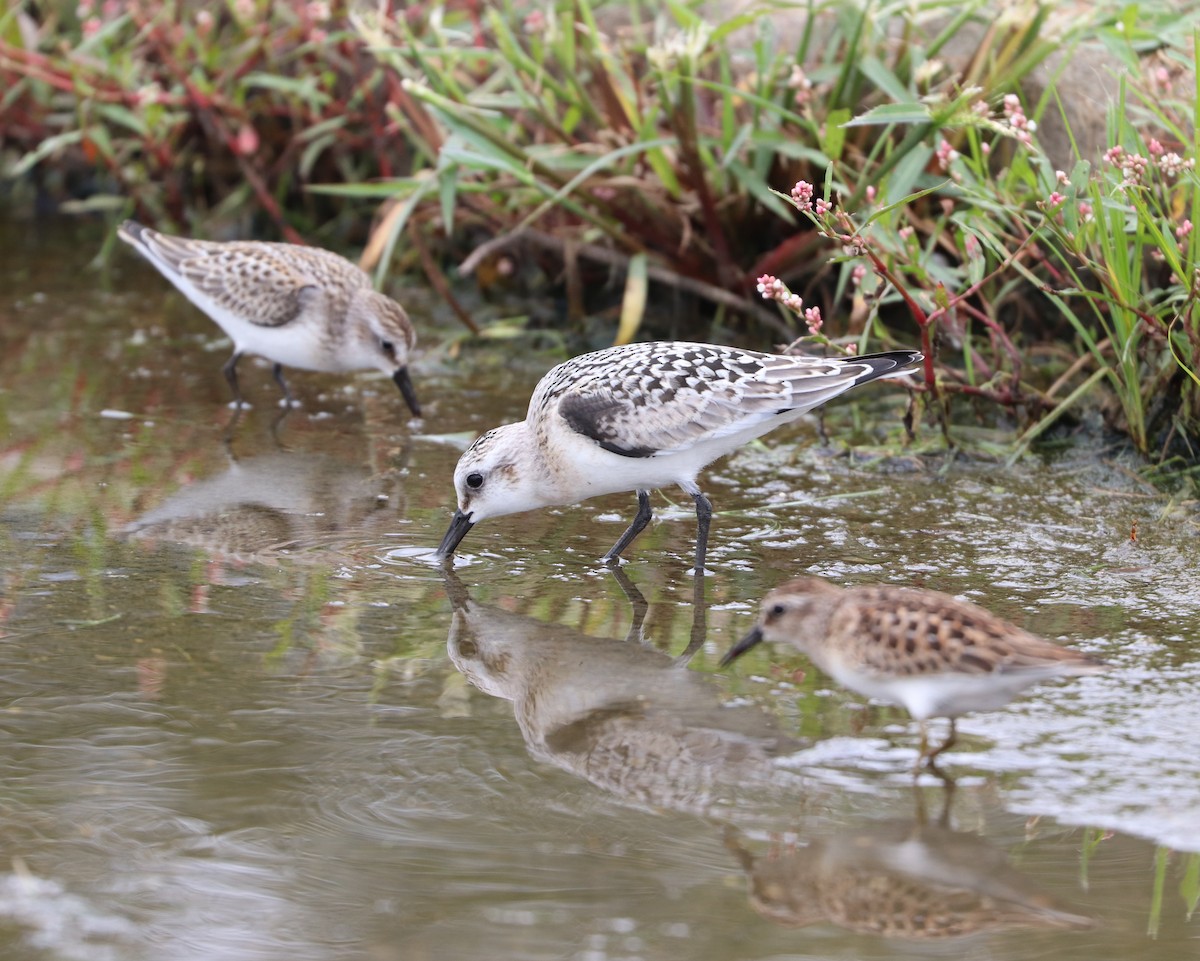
(699,632)
(640,520)
(230,372)
(928,758)
(703,519)
(637,601)
(277,371)
(951,740)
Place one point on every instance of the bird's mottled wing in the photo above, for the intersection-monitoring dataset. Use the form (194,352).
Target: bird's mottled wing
(919,633)
(251,283)
(661,398)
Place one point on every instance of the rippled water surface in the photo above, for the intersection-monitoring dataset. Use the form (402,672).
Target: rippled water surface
(244,718)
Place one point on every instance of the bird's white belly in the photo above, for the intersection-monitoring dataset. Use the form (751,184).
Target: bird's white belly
(940,695)
(296,344)
(581,468)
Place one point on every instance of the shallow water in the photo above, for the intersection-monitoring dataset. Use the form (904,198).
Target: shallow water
(244,718)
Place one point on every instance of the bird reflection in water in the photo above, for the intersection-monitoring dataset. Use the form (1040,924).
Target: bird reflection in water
(903,879)
(624,716)
(303,506)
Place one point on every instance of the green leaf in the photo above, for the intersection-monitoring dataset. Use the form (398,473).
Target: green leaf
(46,148)
(304,88)
(906,173)
(892,113)
(874,70)
(1189,887)
(124,117)
(835,132)
(312,152)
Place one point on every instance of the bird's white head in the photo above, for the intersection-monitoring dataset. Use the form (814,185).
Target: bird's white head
(496,475)
(385,336)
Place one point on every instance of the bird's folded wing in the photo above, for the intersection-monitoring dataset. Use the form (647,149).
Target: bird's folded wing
(261,288)
(643,425)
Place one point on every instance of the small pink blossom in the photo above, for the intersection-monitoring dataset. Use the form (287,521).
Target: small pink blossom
(851,348)
(871,193)
(945,155)
(822,207)
(1172,165)
(1113,155)
(1183,230)
(800,83)
(535,22)
(857,274)
(247,140)
(906,232)
(204,22)
(1155,148)
(91,26)
(770,286)
(1086,211)
(1021,125)
(1133,168)
(812,317)
(802,195)
(1061,177)
(1055,199)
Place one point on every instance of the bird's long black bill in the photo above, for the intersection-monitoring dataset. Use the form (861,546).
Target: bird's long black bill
(460,524)
(404,382)
(742,646)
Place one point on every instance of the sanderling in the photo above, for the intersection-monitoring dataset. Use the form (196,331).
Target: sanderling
(935,655)
(642,416)
(300,306)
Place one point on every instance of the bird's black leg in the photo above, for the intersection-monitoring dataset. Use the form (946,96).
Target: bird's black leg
(699,621)
(277,370)
(640,520)
(703,519)
(230,372)
(637,601)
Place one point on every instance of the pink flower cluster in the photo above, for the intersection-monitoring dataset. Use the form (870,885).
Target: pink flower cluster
(945,155)
(1134,166)
(772,288)
(800,83)
(802,197)
(1022,126)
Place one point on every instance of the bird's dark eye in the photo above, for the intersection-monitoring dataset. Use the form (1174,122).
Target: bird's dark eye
(474,481)
(388,348)
(776,610)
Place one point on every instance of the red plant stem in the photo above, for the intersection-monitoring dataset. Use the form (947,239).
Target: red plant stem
(922,319)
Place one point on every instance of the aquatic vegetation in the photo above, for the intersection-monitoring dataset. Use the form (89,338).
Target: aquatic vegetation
(628,156)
